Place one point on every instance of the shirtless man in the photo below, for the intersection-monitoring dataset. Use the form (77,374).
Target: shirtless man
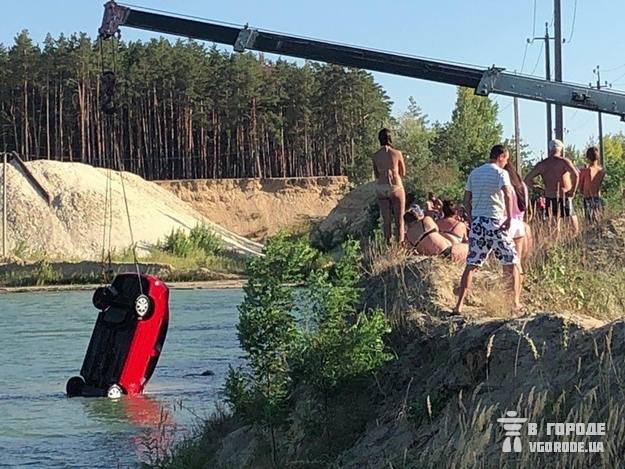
(590,179)
(389,169)
(560,178)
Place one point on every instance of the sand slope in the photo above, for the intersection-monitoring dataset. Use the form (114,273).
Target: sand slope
(257,208)
(72,226)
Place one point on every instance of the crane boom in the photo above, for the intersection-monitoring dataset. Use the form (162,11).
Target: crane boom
(483,80)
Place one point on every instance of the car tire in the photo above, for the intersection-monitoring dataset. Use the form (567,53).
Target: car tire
(101,298)
(114,392)
(74,386)
(143,306)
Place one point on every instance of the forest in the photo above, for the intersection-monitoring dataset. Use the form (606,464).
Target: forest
(189,110)
(185,110)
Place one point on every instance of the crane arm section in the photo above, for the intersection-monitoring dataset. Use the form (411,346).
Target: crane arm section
(483,80)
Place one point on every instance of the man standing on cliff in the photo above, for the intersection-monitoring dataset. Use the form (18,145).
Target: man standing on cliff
(561,178)
(488,204)
(590,179)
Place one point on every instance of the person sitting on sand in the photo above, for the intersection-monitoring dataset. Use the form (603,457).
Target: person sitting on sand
(451,226)
(422,235)
(389,169)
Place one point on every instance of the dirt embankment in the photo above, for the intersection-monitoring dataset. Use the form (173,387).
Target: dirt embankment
(71,226)
(257,208)
(437,404)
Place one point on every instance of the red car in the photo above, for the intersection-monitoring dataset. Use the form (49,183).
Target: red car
(127,338)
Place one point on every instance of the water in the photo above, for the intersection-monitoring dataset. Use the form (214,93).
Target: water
(43,339)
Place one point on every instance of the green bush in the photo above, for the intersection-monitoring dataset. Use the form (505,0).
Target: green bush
(201,239)
(340,343)
(329,344)
(204,238)
(45,274)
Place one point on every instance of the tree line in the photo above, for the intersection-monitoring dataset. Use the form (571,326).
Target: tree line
(185,110)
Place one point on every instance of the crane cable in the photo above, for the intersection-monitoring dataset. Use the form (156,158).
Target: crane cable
(108,83)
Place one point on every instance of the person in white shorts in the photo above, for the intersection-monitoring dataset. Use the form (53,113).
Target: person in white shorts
(488,199)
(519,231)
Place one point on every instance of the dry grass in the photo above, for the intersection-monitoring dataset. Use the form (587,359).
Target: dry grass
(468,436)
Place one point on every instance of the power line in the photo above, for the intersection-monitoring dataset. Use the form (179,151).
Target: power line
(618,78)
(524,56)
(540,54)
(583,124)
(573,23)
(614,69)
(506,106)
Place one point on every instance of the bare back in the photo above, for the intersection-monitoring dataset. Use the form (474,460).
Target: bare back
(389,166)
(590,180)
(557,173)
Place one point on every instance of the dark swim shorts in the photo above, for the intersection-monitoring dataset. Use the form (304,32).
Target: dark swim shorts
(560,207)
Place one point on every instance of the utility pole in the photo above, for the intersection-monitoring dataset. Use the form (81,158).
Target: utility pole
(597,72)
(517,135)
(557,14)
(546,38)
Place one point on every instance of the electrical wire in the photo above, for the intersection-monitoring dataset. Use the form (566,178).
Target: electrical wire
(607,70)
(540,54)
(618,78)
(573,23)
(524,56)
(506,107)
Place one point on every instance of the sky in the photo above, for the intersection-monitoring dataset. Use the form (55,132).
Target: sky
(479,32)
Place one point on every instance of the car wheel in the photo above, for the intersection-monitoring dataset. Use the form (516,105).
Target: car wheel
(114,392)
(74,386)
(101,298)
(143,306)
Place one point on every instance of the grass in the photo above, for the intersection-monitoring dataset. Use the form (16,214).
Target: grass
(466,434)
(193,452)
(462,377)
(570,273)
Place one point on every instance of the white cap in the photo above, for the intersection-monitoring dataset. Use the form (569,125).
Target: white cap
(556,144)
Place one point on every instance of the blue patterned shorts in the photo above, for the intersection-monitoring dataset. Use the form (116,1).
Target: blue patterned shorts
(485,237)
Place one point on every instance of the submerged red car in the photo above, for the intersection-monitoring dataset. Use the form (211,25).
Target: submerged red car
(127,338)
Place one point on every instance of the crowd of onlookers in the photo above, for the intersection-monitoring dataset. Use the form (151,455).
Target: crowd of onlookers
(492,217)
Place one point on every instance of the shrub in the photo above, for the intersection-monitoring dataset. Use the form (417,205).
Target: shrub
(339,343)
(204,238)
(200,239)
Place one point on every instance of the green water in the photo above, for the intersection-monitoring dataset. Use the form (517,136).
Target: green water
(43,338)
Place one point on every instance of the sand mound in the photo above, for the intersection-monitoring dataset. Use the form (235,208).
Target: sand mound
(354,215)
(257,208)
(72,225)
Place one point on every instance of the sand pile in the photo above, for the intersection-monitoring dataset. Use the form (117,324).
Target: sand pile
(257,208)
(71,227)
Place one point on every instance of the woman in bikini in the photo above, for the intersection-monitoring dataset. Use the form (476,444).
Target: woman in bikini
(389,169)
(422,234)
(451,226)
